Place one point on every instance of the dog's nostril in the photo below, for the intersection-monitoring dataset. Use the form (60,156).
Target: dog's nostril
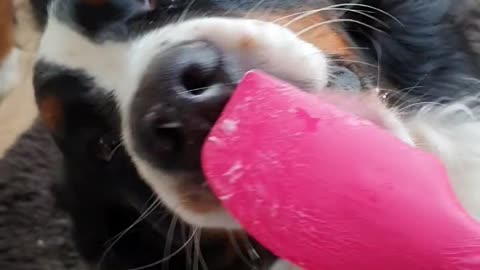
(196,79)
(200,66)
(165,133)
(168,139)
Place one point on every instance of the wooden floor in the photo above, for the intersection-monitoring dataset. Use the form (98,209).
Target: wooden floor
(17,108)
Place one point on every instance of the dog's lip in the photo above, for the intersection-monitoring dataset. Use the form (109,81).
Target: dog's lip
(195,177)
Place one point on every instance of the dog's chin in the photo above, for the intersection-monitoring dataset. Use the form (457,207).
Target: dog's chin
(199,207)
(188,197)
(217,218)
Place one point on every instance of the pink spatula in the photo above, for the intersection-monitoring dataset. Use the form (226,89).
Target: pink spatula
(326,190)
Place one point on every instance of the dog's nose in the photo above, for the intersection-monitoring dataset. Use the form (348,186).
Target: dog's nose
(180,96)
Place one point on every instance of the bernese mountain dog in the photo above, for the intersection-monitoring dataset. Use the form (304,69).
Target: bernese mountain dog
(129,89)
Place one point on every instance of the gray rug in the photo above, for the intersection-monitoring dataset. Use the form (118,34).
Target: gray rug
(34,234)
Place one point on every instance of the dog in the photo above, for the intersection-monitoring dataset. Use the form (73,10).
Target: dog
(129,89)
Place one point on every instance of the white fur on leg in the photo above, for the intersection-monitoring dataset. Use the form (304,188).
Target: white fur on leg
(452,132)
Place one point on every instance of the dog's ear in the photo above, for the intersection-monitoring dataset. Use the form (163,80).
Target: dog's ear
(69,100)
(70,104)
(7,40)
(57,91)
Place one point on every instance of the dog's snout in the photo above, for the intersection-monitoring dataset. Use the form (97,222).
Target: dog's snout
(180,96)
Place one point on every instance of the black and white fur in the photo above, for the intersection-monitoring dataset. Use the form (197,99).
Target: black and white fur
(427,79)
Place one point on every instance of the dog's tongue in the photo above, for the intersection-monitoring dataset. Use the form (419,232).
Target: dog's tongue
(329,191)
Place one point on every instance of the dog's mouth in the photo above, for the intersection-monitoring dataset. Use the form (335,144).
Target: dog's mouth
(183,90)
(171,160)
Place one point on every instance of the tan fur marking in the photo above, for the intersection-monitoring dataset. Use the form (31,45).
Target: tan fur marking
(51,110)
(248,43)
(198,199)
(201,203)
(324,37)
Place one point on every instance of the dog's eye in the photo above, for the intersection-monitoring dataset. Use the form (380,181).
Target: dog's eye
(106,147)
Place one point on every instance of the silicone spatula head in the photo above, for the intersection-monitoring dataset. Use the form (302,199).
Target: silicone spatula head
(327,190)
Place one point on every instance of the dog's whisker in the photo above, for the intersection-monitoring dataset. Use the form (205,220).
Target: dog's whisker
(169,242)
(257,5)
(316,25)
(419,104)
(353,62)
(400,91)
(171,255)
(120,235)
(386,94)
(234,7)
(114,150)
(238,250)
(188,253)
(298,16)
(196,257)
(252,252)
(353,48)
(205,88)
(305,12)
(410,89)
(379,52)
(198,249)
(267,11)
(373,8)
(185,11)
(338,7)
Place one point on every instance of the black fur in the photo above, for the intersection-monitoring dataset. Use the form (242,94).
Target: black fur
(425,55)
(103,196)
(39,8)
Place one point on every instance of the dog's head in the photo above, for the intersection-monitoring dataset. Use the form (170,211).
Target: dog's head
(132,85)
